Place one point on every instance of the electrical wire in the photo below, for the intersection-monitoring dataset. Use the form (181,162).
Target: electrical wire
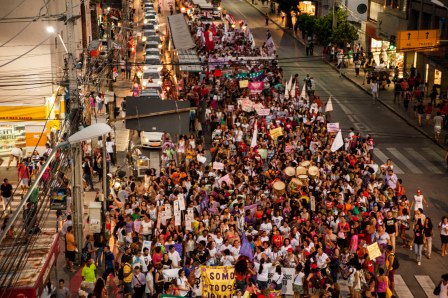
(10,12)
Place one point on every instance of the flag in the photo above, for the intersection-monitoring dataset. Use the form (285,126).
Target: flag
(293,90)
(304,94)
(230,19)
(338,142)
(290,83)
(329,106)
(255,135)
(252,40)
(286,92)
(246,249)
(270,46)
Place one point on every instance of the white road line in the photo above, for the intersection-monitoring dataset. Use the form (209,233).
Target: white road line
(437,157)
(414,169)
(378,153)
(426,163)
(401,289)
(427,285)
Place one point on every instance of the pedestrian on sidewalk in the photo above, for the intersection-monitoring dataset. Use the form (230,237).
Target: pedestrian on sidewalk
(62,291)
(123,68)
(6,195)
(374,89)
(110,148)
(24,176)
(397,92)
(70,249)
(357,67)
(88,173)
(418,242)
(267,19)
(128,70)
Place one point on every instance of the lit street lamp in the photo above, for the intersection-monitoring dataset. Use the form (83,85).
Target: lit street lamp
(51,29)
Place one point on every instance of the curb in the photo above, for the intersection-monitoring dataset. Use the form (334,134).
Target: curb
(354,83)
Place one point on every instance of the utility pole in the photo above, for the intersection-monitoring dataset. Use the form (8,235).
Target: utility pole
(105,198)
(75,116)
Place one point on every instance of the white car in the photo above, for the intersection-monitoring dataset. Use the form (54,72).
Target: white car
(153,139)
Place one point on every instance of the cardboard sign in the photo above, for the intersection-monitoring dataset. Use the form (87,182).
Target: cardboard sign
(246,104)
(218,166)
(188,222)
(276,132)
(263,112)
(230,108)
(181,202)
(244,83)
(177,218)
(374,250)
(146,243)
(201,159)
(333,127)
(176,205)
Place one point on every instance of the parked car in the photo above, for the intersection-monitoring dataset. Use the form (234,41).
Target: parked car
(154,139)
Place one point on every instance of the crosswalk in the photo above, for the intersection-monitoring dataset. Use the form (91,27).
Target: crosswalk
(401,288)
(407,160)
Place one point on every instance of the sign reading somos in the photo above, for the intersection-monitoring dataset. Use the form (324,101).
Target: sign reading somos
(218,281)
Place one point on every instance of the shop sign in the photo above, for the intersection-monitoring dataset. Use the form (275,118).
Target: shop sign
(22,113)
(418,40)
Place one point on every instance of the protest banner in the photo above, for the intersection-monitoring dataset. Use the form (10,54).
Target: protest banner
(276,132)
(333,127)
(197,288)
(218,279)
(263,112)
(246,104)
(218,166)
(170,274)
(374,251)
(244,83)
(256,87)
(288,276)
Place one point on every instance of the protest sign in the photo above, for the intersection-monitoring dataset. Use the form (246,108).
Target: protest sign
(201,159)
(146,243)
(256,87)
(181,203)
(170,274)
(333,127)
(168,211)
(176,205)
(177,218)
(218,279)
(244,83)
(246,104)
(230,108)
(263,112)
(218,166)
(188,222)
(276,132)
(374,251)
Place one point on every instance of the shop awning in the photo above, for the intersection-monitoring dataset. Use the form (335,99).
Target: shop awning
(179,32)
(189,61)
(371,31)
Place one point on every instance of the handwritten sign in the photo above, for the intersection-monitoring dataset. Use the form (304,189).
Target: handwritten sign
(263,112)
(218,166)
(276,132)
(201,159)
(244,83)
(374,251)
(333,127)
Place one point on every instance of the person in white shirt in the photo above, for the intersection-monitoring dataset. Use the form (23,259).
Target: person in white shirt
(277,219)
(150,290)
(285,229)
(227,259)
(174,256)
(263,268)
(374,90)
(182,284)
(297,282)
(322,259)
(266,226)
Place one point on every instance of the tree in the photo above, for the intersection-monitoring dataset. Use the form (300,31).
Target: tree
(306,23)
(342,34)
(287,6)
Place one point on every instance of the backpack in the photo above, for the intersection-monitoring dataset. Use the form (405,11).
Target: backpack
(395,263)
(121,272)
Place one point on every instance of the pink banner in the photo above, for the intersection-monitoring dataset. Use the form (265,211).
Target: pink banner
(256,87)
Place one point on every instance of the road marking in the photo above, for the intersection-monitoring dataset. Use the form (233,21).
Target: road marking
(437,158)
(414,169)
(426,163)
(401,289)
(378,153)
(427,285)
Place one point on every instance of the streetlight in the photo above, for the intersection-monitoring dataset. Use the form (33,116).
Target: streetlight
(51,29)
(88,133)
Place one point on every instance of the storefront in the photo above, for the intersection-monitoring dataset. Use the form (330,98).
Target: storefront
(307,7)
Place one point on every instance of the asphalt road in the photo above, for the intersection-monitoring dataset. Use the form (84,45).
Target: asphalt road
(419,162)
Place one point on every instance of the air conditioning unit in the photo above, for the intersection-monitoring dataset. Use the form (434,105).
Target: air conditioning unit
(357,10)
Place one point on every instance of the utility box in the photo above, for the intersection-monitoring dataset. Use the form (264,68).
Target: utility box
(95,216)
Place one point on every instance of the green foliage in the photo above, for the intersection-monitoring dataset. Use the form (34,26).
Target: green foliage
(306,23)
(287,6)
(342,34)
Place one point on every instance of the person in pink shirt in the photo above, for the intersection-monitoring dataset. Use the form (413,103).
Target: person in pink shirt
(24,176)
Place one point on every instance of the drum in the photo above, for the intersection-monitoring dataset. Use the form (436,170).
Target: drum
(278,188)
(305,163)
(313,172)
(295,185)
(304,179)
(301,171)
(290,171)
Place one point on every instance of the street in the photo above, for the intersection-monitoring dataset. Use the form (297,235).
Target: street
(418,161)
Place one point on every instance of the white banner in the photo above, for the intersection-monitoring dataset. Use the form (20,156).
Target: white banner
(264,112)
(333,127)
(170,274)
(218,166)
(288,275)
(177,218)
(181,202)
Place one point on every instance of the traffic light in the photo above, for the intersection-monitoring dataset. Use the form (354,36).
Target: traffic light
(392,40)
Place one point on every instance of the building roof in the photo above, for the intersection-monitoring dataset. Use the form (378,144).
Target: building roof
(179,32)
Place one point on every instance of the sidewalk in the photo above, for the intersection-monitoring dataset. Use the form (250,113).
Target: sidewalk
(386,97)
